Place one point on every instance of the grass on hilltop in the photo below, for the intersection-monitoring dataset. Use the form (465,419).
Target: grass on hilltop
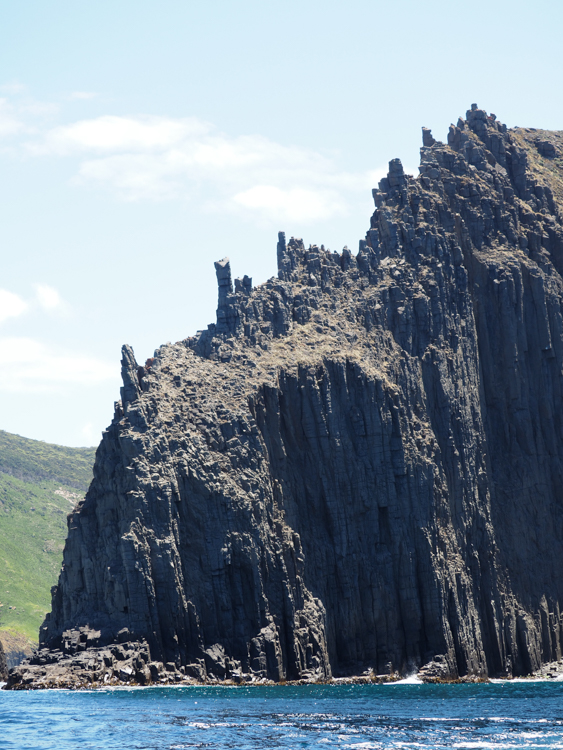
(35,460)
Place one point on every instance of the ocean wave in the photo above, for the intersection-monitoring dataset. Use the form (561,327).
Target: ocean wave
(412,679)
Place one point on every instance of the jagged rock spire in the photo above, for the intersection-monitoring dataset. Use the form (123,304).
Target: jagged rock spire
(130,376)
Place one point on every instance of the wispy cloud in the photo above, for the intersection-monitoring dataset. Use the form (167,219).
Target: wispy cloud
(10,123)
(109,133)
(159,158)
(293,204)
(13,88)
(27,365)
(90,434)
(22,115)
(149,158)
(48,298)
(11,305)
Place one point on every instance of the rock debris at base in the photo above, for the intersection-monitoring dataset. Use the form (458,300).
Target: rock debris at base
(358,469)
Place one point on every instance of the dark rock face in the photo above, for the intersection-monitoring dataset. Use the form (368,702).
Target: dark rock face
(360,465)
(3,664)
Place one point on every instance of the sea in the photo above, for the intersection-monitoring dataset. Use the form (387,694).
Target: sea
(509,714)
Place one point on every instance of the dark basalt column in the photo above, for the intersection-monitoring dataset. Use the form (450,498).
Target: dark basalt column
(3,664)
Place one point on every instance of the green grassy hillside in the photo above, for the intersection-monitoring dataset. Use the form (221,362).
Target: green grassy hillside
(39,484)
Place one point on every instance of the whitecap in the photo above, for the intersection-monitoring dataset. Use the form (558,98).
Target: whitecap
(412,679)
(527,680)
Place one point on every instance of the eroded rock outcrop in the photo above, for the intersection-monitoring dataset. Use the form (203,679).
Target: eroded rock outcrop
(360,465)
(3,664)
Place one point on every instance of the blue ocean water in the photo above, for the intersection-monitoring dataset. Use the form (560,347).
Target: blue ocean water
(498,715)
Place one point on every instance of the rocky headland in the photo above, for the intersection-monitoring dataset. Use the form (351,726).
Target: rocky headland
(358,469)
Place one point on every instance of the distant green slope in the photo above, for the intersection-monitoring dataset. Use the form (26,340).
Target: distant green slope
(35,461)
(39,485)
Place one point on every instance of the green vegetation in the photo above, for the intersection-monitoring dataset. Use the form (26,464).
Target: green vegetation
(35,461)
(39,485)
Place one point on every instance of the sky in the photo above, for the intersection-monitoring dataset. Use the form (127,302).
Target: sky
(140,141)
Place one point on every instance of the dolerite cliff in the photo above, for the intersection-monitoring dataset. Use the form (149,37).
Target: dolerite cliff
(3,664)
(359,467)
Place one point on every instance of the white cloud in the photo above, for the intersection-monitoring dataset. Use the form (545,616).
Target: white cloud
(110,133)
(27,365)
(135,176)
(293,204)
(149,158)
(13,88)
(90,434)
(23,115)
(9,122)
(48,298)
(159,158)
(11,305)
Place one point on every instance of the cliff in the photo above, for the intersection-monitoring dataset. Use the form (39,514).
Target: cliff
(3,664)
(359,466)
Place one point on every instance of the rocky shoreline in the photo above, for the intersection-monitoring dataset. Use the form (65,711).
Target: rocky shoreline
(33,681)
(3,664)
(129,664)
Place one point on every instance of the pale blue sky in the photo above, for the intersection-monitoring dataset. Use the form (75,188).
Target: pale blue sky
(140,141)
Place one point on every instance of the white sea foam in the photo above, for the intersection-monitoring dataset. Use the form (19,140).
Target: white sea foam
(527,680)
(484,745)
(412,679)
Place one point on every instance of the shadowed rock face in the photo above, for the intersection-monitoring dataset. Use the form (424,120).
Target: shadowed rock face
(359,466)
(3,664)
